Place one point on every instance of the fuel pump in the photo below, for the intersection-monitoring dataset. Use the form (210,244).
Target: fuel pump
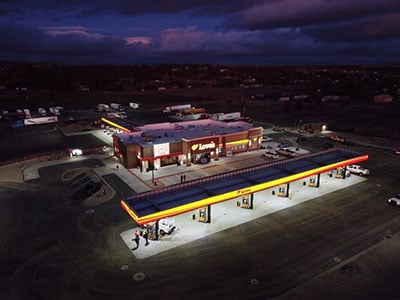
(281,191)
(205,214)
(152,230)
(340,173)
(247,201)
(315,180)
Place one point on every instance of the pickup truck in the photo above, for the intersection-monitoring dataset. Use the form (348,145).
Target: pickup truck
(286,152)
(166,226)
(356,169)
(337,138)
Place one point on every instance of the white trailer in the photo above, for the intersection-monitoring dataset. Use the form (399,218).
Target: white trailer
(116,106)
(42,111)
(226,117)
(133,105)
(102,107)
(55,111)
(27,113)
(176,108)
(41,120)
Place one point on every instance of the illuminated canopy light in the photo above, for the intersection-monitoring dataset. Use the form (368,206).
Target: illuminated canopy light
(239,142)
(115,125)
(143,219)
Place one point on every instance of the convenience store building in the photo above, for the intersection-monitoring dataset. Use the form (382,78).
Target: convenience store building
(184,143)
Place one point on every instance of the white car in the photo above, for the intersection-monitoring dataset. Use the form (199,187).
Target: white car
(267,138)
(356,169)
(286,152)
(395,200)
(271,154)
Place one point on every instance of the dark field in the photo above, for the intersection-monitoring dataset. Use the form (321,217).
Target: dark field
(359,115)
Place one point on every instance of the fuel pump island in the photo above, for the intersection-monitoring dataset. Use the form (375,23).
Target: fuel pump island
(153,210)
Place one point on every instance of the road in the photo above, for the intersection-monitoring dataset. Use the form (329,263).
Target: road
(52,248)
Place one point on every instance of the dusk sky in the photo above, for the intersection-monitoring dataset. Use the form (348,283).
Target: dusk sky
(251,32)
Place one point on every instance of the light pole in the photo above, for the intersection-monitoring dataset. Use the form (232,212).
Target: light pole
(152,176)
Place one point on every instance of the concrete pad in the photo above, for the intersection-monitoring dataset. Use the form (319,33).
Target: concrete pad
(228,214)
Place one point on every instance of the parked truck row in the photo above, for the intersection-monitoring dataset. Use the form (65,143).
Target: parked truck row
(112,107)
(26,113)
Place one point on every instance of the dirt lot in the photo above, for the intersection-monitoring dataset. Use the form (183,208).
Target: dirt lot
(360,116)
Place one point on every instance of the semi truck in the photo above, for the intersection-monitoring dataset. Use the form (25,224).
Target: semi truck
(20,113)
(42,111)
(27,113)
(134,105)
(176,108)
(54,110)
(41,120)
(116,106)
(101,107)
(193,111)
(234,116)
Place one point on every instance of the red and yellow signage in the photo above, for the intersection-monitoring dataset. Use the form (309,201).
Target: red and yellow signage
(202,147)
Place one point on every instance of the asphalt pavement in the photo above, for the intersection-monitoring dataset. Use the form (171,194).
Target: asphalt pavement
(337,245)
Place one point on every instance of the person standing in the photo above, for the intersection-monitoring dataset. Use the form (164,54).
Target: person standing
(136,239)
(146,236)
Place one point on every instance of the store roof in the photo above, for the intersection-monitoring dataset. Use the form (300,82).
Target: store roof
(177,199)
(172,132)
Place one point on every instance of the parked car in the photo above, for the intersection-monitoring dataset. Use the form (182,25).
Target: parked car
(327,145)
(166,226)
(356,169)
(267,138)
(204,160)
(283,145)
(271,154)
(395,200)
(286,152)
(337,138)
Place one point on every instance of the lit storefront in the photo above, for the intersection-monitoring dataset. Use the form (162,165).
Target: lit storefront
(201,151)
(184,143)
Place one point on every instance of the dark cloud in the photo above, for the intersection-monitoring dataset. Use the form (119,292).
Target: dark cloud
(372,29)
(22,43)
(270,32)
(128,7)
(191,41)
(289,13)
(76,44)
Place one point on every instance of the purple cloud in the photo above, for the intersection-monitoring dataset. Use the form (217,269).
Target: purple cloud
(256,32)
(288,13)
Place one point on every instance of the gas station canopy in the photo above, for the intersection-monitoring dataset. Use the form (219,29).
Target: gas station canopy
(184,197)
(120,123)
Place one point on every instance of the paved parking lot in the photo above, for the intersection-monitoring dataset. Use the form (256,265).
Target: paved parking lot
(330,245)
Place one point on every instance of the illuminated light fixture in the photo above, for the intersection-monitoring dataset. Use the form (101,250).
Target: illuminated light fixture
(244,141)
